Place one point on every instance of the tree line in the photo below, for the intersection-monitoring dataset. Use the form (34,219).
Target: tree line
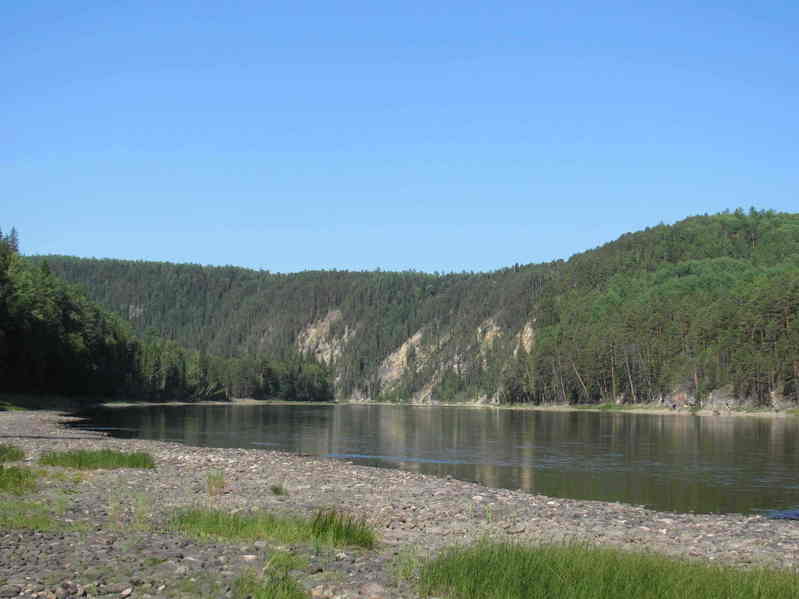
(704,305)
(710,304)
(53,339)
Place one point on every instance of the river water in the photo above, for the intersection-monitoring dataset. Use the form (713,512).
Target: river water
(665,461)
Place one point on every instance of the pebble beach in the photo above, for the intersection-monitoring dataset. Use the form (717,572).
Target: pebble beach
(113,538)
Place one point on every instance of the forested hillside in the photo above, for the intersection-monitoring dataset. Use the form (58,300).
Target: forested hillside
(53,340)
(706,305)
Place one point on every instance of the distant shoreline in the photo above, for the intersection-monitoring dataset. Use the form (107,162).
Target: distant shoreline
(11,401)
(654,409)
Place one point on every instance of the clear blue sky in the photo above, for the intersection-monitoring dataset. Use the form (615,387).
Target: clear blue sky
(358,134)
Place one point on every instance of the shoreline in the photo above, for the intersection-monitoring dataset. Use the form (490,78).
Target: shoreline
(653,409)
(410,511)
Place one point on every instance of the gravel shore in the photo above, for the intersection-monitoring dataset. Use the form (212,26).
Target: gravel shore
(112,540)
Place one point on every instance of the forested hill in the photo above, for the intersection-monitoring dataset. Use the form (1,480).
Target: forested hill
(707,304)
(55,344)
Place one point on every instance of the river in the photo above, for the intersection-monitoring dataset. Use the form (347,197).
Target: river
(668,462)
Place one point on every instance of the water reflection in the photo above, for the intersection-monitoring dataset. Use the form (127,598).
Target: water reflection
(670,462)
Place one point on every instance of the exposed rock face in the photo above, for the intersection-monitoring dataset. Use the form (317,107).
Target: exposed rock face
(526,338)
(487,333)
(316,338)
(135,311)
(396,362)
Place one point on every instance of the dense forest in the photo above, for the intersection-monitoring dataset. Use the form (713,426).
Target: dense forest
(705,309)
(53,340)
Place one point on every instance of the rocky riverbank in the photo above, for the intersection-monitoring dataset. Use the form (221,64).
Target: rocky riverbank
(112,541)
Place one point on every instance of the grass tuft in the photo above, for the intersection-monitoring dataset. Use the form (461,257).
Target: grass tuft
(490,570)
(278,490)
(284,561)
(24,514)
(281,586)
(407,563)
(329,527)
(216,483)
(16,480)
(10,453)
(97,459)
(216,524)
(336,528)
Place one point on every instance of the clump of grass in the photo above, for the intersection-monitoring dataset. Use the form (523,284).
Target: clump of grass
(407,563)
(16,480)
(268,587)
(329,527)
(278,490)
(216,524)
(97,459)
(10,453)
(142,512)
(216,483)
(24,514)
(491,570)
(337,528)
(283,562)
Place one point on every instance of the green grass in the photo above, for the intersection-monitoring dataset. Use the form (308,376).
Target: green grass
(10,453)
(25,514)
(284,561)
(216,524)
(97,459)
(407,563)
(276,582)
(489,570)
(335,528)
(216,483)
(16,480)
(605,407)
(278,490)
(269,587)
(793,411)
(329,527)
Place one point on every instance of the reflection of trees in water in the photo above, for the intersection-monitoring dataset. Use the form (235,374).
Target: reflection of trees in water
(669,461)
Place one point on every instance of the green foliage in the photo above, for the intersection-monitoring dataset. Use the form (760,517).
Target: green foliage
(53,340)
(85,459)
(328,527)
(27,515)
(284,562)
(278,490)
(336,528)
(704,304)
(10,453)
(16,480)
(280,586)
(506,571)
(216,524)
